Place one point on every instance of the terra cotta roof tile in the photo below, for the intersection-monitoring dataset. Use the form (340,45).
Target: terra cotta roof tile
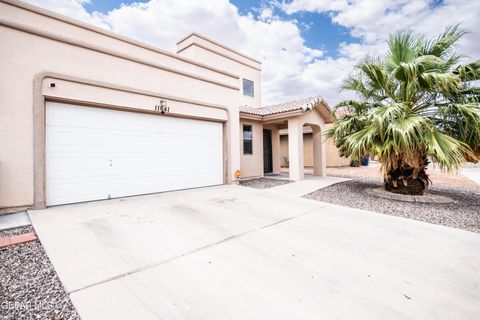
(300,104)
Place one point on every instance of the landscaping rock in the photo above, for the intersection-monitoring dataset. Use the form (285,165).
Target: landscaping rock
(263,183)
(29,285)
(462,213)
(427,198)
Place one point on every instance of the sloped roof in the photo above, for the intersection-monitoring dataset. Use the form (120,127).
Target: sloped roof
(300,104)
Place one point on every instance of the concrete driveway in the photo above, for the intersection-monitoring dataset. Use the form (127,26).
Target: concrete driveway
(232,252)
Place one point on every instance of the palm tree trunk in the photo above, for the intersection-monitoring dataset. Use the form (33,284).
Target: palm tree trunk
(401,180)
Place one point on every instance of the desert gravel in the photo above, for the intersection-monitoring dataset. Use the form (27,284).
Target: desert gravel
(29,286)
(463,213)
(16,231)
(263,183)
(440,179)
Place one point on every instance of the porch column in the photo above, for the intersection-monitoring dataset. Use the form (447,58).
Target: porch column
(319,153)
(295,149)
(276,154)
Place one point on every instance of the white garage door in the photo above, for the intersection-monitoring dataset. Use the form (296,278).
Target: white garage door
(94,153)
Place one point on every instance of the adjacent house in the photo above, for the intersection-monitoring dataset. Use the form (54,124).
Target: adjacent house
(87,114)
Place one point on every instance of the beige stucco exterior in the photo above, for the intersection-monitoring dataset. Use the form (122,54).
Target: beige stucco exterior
(291,124)
(252,164)
(94,67)
(200,48)
(333,156)
(48,57)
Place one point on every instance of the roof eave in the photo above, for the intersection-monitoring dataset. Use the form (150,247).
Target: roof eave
(269,117)
(321,106)
(249,116)
(325,111)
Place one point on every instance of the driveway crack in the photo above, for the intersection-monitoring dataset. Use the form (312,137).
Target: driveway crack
(230,238)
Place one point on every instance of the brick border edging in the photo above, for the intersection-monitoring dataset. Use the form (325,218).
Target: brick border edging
(6,242)
(381,193)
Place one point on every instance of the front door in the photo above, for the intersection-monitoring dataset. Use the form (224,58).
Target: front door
(267,151)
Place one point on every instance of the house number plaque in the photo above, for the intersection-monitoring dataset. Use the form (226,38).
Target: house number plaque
(162,107)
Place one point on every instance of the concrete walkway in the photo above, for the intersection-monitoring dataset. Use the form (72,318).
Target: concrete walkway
(233,252)
(14,220)
(307,185)
(472,174)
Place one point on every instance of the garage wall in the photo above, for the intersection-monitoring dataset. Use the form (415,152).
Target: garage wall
(58,45)
(69,88)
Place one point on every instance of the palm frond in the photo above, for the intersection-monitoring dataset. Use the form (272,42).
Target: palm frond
(448,152)
(353,107)
(461,121)
(447,83)
(444,43)
(356,84)
(404,47)
(359,144)
(469,72)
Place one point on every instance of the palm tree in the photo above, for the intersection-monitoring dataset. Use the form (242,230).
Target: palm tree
(415,103)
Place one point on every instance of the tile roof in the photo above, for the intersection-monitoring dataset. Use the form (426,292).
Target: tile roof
(300,104)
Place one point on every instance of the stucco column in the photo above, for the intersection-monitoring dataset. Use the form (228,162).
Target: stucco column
(319,153)
(276,153)
(295,149)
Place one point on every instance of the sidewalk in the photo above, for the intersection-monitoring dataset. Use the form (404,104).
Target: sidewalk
(472,174)
(14,220)
(306,186)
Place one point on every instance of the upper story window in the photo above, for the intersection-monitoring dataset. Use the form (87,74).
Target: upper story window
(247,139)
(247,87)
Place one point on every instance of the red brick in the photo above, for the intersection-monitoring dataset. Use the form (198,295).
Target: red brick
(22,238)
(4,242)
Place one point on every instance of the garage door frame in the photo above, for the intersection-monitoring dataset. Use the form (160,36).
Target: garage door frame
(39,110)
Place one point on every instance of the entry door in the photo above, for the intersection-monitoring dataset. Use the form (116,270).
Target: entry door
(94,153)
(267,151)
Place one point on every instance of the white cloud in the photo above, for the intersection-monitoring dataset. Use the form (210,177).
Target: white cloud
(373,21)
(266,14)
(278,43)
(291,68)
(314,5)
(72,8)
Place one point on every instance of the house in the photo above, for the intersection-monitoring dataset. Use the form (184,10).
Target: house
(87,114)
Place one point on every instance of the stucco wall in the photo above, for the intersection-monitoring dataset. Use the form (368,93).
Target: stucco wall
(199,49)
(35,41)
(333,157)
(283,149)
(307,149)
(209,52)
(251,165)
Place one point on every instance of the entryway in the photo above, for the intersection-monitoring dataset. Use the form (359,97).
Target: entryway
(267,151)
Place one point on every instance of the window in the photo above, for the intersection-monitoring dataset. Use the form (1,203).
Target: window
(247,139)
(247,88)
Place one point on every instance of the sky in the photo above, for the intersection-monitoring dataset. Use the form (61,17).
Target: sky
(307,47)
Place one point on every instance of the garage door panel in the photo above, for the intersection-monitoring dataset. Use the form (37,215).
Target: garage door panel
(94,153)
